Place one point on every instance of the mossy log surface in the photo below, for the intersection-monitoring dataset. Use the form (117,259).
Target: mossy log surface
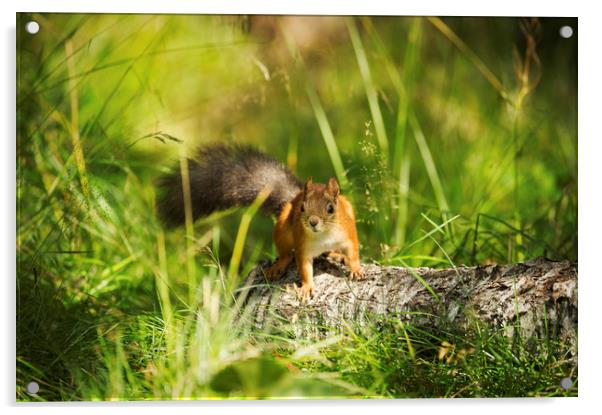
(538,297)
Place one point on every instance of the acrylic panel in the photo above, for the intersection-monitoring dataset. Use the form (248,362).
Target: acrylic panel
(295,207)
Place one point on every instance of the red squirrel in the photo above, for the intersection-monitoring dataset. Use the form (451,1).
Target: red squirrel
(312,219)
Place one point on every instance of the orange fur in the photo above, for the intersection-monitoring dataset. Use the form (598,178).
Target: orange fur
(295,237)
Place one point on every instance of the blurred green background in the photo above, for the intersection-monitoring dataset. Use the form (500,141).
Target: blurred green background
(455,139)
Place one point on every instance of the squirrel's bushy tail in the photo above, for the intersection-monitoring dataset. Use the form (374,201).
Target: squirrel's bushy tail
(223,176)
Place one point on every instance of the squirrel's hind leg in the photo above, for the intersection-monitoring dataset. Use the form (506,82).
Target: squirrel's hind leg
(284,246)
(338,257)
(352,262)
(277,268)
(283,239)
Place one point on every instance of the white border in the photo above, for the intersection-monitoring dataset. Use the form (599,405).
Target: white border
(590,70)
(382,7)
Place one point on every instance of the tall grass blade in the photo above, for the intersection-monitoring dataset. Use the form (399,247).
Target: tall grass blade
(518,240)
(401,158)
(480,65)
(422,281)
(188,220)
(370,89)
(404,85)
(411,351)
(241,236)
(78,152)
(319,113)
(327,135)
(402,203)
(431,169)
(451,262)
(162,284)
(432,231)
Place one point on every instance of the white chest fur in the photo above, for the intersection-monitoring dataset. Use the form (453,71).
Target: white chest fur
(317,243)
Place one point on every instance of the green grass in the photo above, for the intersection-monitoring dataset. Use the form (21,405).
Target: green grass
(450,155)
(395,360)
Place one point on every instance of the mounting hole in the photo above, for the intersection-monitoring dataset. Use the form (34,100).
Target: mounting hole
(566,32)
(32,27)
(566,383)
(32,388)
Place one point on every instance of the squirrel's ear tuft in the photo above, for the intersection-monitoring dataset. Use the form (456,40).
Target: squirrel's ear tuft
(333,187)
(309,184)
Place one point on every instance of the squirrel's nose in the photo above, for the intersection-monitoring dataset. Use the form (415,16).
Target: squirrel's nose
(313,221)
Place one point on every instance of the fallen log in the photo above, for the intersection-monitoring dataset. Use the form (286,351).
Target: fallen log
(538,297)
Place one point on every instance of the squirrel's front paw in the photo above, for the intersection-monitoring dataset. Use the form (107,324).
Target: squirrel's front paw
(306,291)
(273,272)
(357,273)
(276,270)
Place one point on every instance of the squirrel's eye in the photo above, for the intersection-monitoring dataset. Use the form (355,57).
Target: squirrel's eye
(330,209)
(302,208)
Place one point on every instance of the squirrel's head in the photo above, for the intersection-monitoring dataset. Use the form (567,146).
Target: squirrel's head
(319,205)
